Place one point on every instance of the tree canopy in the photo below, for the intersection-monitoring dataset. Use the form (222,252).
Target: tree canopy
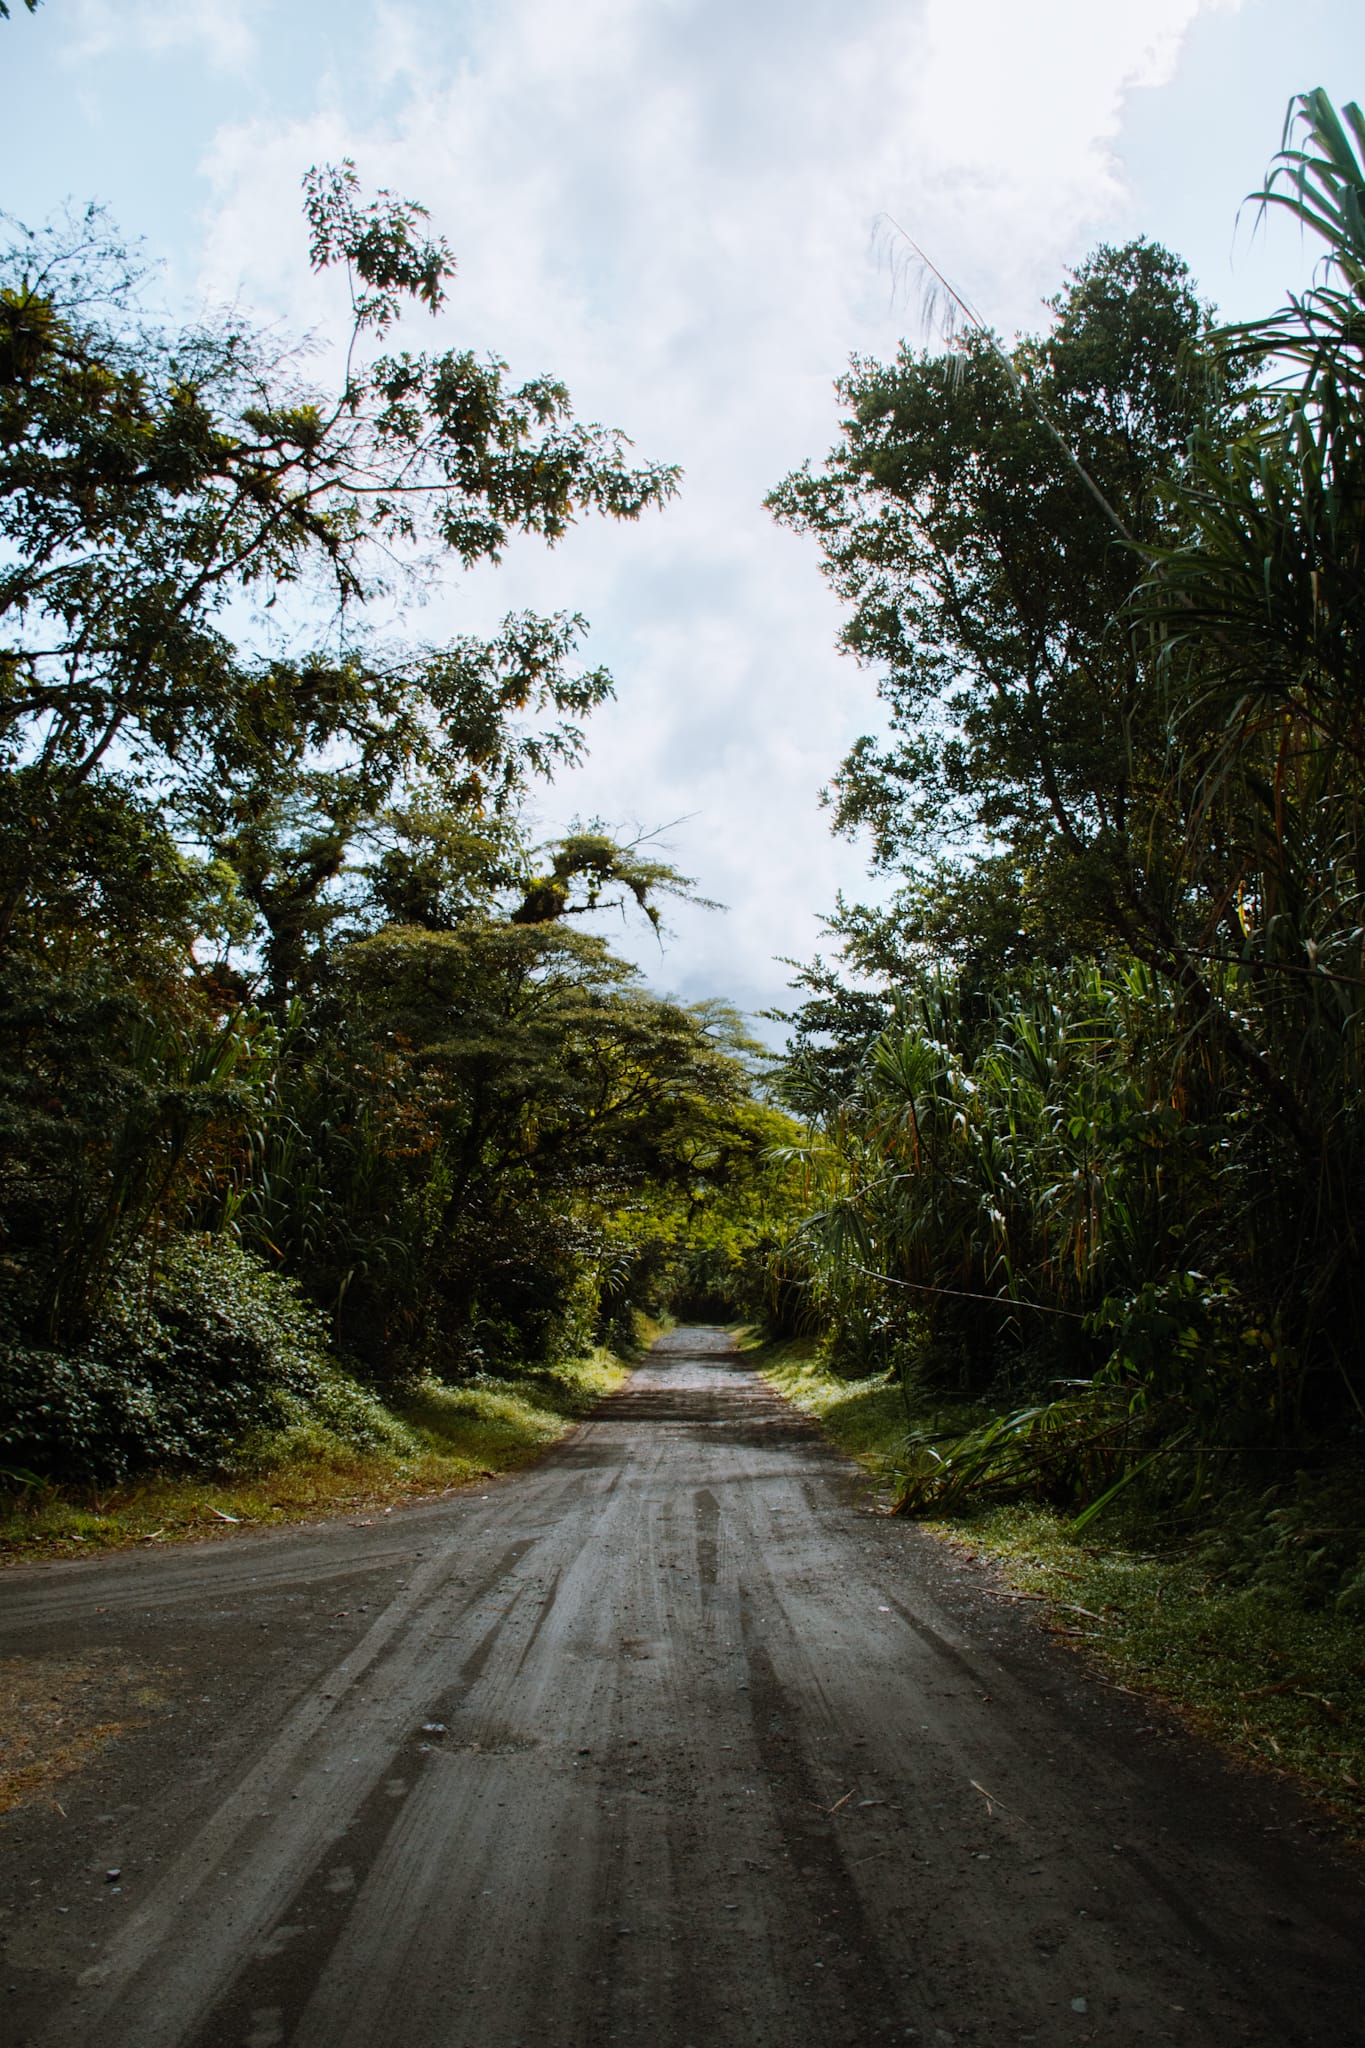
(1090,1100)
(279,962)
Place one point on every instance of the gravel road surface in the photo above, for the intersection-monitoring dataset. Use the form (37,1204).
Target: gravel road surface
(668,1740)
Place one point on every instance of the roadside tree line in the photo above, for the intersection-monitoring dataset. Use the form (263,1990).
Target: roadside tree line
(1084,1100)
(312,1070)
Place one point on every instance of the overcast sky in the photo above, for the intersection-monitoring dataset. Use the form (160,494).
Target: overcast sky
(672,205)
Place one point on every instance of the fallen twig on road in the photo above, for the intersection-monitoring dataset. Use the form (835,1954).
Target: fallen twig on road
(991,1801)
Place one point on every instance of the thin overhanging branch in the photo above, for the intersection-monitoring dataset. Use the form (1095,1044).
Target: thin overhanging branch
(1022,391)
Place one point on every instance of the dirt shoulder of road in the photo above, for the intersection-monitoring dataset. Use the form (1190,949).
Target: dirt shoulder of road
(1271,1677)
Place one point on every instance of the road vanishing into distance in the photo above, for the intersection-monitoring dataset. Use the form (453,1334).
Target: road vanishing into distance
(667,1740)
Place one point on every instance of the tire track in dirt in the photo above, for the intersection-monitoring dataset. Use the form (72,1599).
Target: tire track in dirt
(666,1741)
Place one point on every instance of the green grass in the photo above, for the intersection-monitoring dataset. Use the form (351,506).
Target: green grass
(1280,1685)
(1232,1616)
(866,1418)
(439,1438)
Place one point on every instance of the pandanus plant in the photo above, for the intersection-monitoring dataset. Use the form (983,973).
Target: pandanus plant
(1260,615)
(1040,1187)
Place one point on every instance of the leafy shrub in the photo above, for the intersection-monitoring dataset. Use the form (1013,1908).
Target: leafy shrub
(195,1364)
(1300,1544)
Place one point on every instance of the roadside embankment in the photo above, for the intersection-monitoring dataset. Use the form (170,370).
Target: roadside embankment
(1230,1611)
(442,1437)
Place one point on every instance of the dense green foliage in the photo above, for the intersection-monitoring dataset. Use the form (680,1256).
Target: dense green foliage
(1086,1101)
(287,999)
(184,1366)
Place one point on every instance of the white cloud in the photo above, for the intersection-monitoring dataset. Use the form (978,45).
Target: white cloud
(671,206)
(221,33)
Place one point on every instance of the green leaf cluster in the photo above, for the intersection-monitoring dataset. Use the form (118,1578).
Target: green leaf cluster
(289,998)
(1086,1096)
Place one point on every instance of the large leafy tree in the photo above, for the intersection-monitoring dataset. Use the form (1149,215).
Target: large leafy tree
(1044,787)
(1111,580)
(155,486)
(985,518)
(205,748)
(471,1133)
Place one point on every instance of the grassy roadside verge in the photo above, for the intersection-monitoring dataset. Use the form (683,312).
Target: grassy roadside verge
(443,1437)
(866,1418)
(1195,1618)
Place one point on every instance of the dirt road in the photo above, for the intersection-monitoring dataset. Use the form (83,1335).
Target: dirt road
(666,1741)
